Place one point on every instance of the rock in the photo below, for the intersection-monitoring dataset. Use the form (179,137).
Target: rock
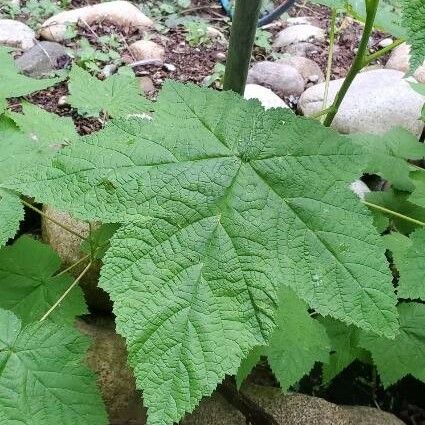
(301,49)
(376,101)
(359,188)
(68,248)
(386,42)
(308,69)
(301,409)
(109,69)
(119,12)
(146,85)
(283,79)
(297,33)
(215,411)
(400,60)
(215,33)
(107,357)
(147,50)
(266,97)
(299,20)
(16,34)
(42,59)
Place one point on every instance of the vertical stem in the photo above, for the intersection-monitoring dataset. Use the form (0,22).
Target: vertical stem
(330,56)
(356,67)
(241,42)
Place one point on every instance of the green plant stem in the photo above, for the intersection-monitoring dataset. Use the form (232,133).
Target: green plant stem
(330,56)
(394,213)
(64,295)
(374,56)
(43,214)
(356,67)
(320,113)
(77,263)
(241,43)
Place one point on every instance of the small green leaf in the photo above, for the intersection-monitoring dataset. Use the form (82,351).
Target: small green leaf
(248,363)
(43,126)
(297,343)
(11,215)
(418,195)
(99,241)
(43,379)
(404,355)
(409,256)
(344,346)
(29,288)
(119,95)
(14,84)
(388,155)
(414,22)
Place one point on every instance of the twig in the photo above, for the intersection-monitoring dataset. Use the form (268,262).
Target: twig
(43,214)
(63,296)
(356,67)
(146,62)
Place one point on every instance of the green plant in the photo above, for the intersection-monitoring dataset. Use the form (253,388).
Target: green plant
(216,78)
(263,40)
(197,33)
(231,233)
(39,10)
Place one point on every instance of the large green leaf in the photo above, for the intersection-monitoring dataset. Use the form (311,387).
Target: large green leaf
(14,84)
(18,153)
(414,21)
(388,155)
(405,355)
(221,202)
(119,95)
(42,376)
(44,126)
(29,288)
(298,342)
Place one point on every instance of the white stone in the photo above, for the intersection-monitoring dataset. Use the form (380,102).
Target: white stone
(16,34)
(308,69)
(386,42)
(266,97)
(359,188)
(283,79)
(121,13)
(147,50)
(376,102)
(400,60)
(298,33)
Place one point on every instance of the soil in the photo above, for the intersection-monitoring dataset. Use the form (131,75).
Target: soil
(357,384)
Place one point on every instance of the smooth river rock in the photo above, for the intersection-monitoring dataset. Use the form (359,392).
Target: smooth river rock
(298,33)
(16,34)
(266,97)
(376,102)
(147,50)
(283,79)
(308,69)
(119,12)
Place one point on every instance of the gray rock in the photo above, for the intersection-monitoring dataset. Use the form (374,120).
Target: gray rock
(297,33)
(107,358)
(376,102)
(68,248)
(215,411)
(43,58)
(400,60)
(16,34)
(147,50)
(266,97)
(308,69)
(301,49)
(300,409)
(283,79)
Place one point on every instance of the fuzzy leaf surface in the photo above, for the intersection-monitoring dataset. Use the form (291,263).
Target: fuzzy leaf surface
(29,288)
(409,256)
(297,343)
(388,155)
(405,355)
(118,95)
(17,153)
(221,202)
(414,22)
(14,84)
(417,197)
(44,126)
(42,376)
